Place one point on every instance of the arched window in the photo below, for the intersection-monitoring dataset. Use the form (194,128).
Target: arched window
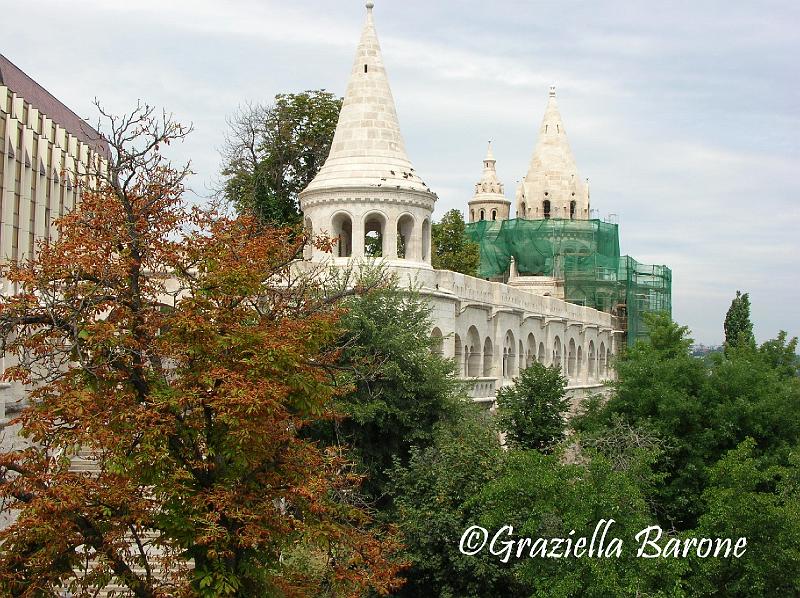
(342,227)
(483,217)
(474,358)
(437,345)
(374,226)
(509,355)
(591,360)
(523,211)
(472,215)
(571,351)
(405,235)
(531,353)
(488,356)
(542,353)
(572,210)
(426,240)
(546,208)
(308,231)
(602,360)
(494,214)
(557,353)
(580,362)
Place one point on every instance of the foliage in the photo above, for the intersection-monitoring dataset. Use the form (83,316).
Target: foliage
(738,327)
(178,349)
(701,409)
(400,390)
(452,250)
(430,496)
(531,411)
(748,499)
(273,152)
(542,497)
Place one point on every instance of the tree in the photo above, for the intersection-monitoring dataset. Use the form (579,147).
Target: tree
(452,250)
(179,349)
(747,498)
(430,496)
(400,390)
(271,153)
(738,327)
(531,411)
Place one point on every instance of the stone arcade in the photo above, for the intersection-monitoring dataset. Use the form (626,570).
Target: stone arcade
(371,198)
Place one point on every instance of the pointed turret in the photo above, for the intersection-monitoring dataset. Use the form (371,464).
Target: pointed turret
(368,148)
(552,187)
(367,194)
(489,201)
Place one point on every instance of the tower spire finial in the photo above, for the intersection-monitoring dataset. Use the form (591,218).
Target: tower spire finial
(370,5)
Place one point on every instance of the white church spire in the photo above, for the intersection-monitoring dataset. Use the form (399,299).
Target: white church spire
(367,195)
(489,201)
(368,148)
(552,187)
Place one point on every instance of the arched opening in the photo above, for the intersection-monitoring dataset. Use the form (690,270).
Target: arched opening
(374,227)
(487,357)
(608,360)
(458,354)
(474,357)
(580,362)
(509,354)
(494,214)
(557,353)
(405,231)
(571,352)
(523,211)
(426,240)
(472,215)
(531,357)
(572,210)
(483,216)
(342,226)
(546,208)
(437,345)
(602,358)
(591,360)
(521,357)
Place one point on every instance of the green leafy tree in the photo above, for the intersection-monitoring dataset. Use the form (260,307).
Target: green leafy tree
(738,327)
(430,496)
(542,497)
(452,250)
(748,498)
(531,411)
(701,409)
(400,389)
(271,153)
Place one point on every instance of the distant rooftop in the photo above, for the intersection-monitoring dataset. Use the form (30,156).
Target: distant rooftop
(37,96)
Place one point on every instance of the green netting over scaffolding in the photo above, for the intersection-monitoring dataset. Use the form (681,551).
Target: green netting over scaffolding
(585,255)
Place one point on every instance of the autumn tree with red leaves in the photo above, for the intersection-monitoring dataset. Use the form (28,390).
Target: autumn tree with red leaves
(180,353)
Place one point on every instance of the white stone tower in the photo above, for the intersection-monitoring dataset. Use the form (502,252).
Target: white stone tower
(489,201)
(552,188)
(367,193)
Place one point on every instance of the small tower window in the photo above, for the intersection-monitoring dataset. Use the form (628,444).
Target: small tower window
(546,208)
(365,68)
(572,210)
(494,214)
(472,215)
(483,217)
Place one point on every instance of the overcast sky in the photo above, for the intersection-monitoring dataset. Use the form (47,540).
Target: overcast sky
(684,115)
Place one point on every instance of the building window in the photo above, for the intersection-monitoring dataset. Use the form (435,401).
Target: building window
(365,68)
(546,208)
(572,210)
(483,217)
(494,214)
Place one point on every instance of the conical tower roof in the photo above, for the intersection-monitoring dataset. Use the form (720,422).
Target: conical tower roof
(552,156)
(368,148)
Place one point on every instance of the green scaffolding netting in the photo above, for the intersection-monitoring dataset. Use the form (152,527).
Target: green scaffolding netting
(585,255)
